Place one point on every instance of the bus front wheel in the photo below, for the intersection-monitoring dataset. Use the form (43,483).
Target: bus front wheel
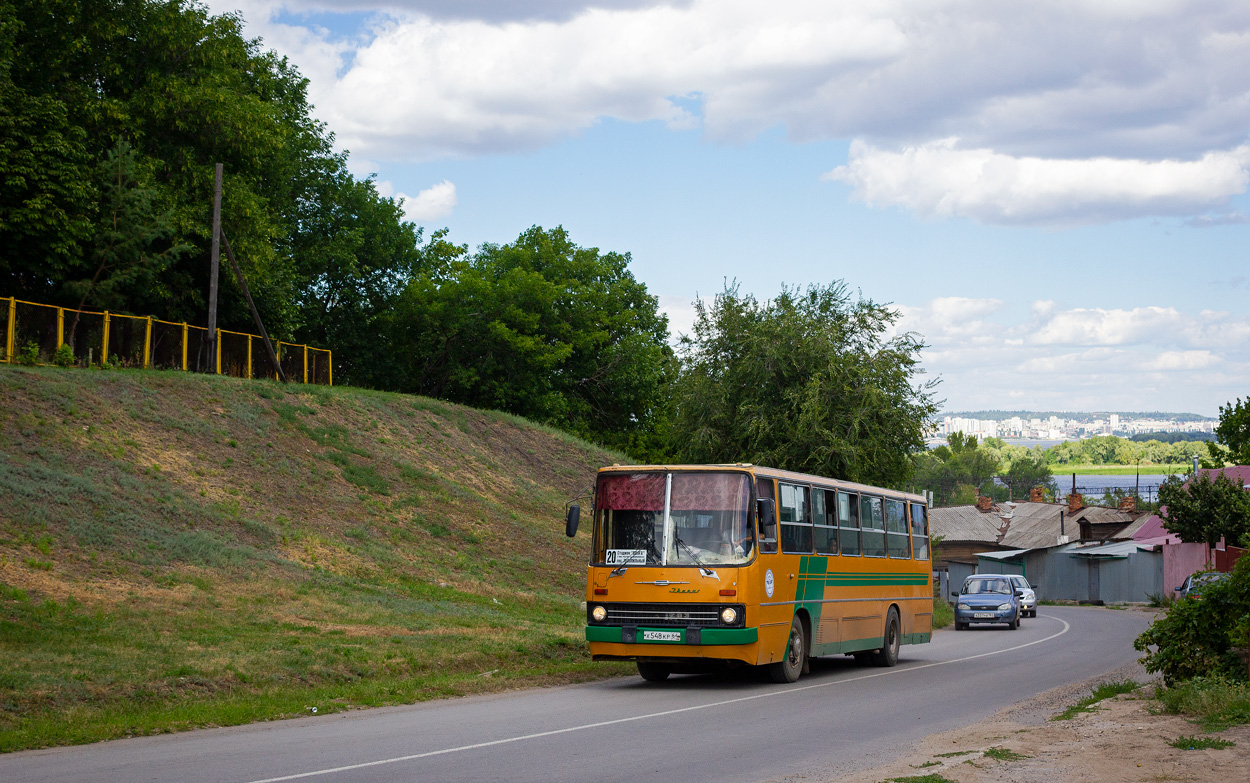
(888,655)
(790,666)
(652,672)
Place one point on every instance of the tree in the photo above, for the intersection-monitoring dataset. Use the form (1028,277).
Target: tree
(1204,509)
(1233,433)
(1026,472)
(807,381)
(959,472)
(542,328)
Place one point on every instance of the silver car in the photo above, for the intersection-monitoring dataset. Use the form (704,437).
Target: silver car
(1028,596)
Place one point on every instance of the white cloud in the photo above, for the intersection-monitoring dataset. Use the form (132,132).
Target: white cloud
(1048,357)
(433,203)
(940,180)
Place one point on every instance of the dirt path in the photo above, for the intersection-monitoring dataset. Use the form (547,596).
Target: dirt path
(1119,742)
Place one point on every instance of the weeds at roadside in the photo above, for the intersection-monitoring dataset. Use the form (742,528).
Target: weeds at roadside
(1216,703)
(943,613)
(926,764)
(1201,743)
(1003,754)
(932,777)
(953,754)
(1104,691)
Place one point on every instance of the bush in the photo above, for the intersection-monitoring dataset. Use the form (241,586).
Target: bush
(64,356)
(29,354)
(1196,636)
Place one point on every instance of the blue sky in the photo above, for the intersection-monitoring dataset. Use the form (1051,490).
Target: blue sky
(1056,198)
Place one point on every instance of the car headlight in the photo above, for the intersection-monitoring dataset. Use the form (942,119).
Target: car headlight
(599,614)
(729,615)
(965,607)
(1004,607)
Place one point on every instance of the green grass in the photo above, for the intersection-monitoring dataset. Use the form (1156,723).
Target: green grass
(1116,470)
(183,551)
(1201,743)
(932,777)
(1104,691)
(926,764)
(1214,702)
(943,613)
(954,754)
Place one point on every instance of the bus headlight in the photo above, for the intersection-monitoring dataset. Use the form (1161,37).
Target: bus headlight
(599,614)
(729,615)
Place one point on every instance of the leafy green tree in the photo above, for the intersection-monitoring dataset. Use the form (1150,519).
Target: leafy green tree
(960,471)
(808,381)
(1204,509)
(1026,472)
(1233,434)
(545,329)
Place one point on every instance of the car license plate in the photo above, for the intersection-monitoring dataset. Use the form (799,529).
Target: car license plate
(983,615)
(661,636)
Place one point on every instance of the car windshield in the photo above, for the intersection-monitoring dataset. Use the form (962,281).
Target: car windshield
(688,519)
(987,586)
(1020,583)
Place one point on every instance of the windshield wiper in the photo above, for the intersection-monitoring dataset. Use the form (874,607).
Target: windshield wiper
(703,569)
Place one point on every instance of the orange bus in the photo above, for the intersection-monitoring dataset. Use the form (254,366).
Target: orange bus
(699,567)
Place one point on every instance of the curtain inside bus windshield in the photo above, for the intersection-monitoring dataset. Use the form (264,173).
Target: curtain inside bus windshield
(707,522)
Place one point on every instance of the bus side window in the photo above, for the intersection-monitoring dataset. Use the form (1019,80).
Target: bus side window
(919,531)
(796,522)
(872,520)
(848,523)
(896,528)
(826,530)
(764,489)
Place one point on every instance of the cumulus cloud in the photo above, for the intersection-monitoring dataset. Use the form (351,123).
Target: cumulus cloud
(940,180)
(433,203)
(1145,358)
(487,10)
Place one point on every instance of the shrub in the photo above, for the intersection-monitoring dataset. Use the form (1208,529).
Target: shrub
(29,354)
(1196,636)
(64,356)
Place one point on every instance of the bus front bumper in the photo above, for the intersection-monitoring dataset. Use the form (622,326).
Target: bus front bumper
(702,637)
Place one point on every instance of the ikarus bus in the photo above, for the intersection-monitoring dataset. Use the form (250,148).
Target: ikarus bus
(698,567)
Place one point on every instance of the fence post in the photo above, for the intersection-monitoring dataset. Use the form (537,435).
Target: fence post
(60,327)
(330,365)
(104,355)
(249,357)
(305,363)
(218,342)
(147,345)
(11,334)
(184,346)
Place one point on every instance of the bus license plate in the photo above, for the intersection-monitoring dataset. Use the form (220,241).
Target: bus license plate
(983,615)
(661,636)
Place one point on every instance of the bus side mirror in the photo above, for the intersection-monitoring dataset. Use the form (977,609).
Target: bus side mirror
(570,522)
(767,512)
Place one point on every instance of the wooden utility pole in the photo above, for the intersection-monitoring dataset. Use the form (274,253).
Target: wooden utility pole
(238,273)
(214,255)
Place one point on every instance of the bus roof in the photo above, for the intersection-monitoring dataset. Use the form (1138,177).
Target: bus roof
(761,471)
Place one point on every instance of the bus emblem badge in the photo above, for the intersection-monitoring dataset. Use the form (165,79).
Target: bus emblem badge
(768,582)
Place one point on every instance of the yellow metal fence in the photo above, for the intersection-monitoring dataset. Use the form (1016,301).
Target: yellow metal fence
(135,341)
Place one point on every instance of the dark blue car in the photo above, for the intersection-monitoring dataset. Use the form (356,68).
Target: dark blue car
(987,598)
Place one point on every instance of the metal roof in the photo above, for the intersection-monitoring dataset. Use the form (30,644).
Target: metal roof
(1020,525)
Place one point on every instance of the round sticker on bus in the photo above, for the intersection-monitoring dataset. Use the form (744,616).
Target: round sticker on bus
(768,582)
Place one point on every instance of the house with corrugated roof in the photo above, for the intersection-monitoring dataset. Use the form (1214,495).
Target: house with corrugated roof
(1070,551)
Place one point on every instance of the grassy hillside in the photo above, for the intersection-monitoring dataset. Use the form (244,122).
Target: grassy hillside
(181,550)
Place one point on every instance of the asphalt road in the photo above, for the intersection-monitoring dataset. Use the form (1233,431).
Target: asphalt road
(840,718)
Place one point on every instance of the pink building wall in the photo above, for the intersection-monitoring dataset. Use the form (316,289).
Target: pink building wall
(1181,560)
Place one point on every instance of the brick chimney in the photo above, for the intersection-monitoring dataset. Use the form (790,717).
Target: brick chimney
(1075,502)
(984,502)
(1037,495)
(1128,504)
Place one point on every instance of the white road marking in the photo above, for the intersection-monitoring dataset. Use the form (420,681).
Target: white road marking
(665,713)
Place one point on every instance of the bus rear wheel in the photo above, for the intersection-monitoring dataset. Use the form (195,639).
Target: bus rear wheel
(888,654)
(790,666)
(653,672)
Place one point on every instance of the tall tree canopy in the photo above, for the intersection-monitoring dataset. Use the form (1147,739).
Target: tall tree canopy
(115,108)
(807,381)
(542,328)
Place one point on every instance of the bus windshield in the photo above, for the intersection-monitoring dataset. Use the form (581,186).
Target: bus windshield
(663,519)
